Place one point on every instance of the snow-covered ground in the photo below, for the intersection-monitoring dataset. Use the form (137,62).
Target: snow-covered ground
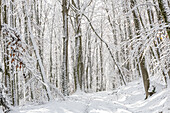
(126,99)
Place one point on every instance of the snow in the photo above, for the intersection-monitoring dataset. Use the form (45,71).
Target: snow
(1,110)
(125,99)
(43,75)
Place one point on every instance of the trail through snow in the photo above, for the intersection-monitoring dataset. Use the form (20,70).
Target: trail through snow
(126,99)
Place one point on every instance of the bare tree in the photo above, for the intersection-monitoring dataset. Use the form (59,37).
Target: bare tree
(65,76)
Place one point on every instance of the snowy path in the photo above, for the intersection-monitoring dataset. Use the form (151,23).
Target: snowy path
(129,99)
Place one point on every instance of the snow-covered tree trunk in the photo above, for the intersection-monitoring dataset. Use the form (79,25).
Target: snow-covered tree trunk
(13,65)
(65,75)
(0,17)
(102,82)
(128,36)
(78,60)
(52,78)
(144,71)
(165,11)
(88,68)
(6,50)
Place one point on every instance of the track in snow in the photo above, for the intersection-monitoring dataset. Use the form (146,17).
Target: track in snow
(126,99)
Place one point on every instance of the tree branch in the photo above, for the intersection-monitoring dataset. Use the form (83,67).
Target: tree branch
(119,69)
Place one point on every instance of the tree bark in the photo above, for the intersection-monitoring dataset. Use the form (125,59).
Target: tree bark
(65,49)
(0,16)
(144,73)
(165,11)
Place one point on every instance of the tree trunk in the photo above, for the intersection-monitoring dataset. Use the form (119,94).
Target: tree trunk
(142,63)
(79,68)
(0,16)
(6,55)
(65,49)
(145,76)
(165,11)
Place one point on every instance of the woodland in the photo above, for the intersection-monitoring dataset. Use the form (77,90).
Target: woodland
(52,49)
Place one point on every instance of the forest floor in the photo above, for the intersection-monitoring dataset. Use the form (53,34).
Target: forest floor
(125,99)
